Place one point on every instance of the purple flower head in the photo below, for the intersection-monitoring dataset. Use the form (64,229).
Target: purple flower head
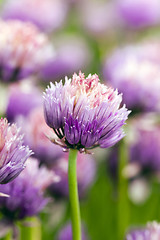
(106,20)
(28,98)
(134,70)
(86,169)
(144,141)
(151,232)
(36,131)
(72,53)
(84,113)
(13,154)
(139,13)
(47,15)
(23,50)
(66,233)
(26,192)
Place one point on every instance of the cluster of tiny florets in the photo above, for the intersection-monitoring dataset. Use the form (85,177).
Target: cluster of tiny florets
(84,113)
(13,154)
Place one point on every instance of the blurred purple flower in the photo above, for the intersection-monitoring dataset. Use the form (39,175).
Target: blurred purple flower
(28,98)
(48,15)
(36,131)
(26,192)
(72,54)
(23,50)
(86,169)
(143,139)
(151,232)
(13,154)
(84,113)
(139,13)
(66,233)
(134,70)
(98,17)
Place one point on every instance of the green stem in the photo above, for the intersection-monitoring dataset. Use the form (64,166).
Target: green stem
(8,236)
(123,201)
(31,232)
(73,195)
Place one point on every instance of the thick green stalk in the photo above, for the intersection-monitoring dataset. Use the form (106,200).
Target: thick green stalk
(8,236)
(123,201)
(32,231)
(73,195)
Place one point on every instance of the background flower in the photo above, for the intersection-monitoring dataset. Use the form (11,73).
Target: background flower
(152,231)
(13,154)
(72,54)
(48,15)
(106,20)
(134,70)
(28,98)
(26,192)
(143,141)
(23,50)
(139,13)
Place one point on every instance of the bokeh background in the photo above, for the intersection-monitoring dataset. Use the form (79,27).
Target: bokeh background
(119,40)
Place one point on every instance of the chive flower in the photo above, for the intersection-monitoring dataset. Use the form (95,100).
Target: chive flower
(26,192)
(47,15)
(138,14)
(143,141)
(84,113)
(151,232)
(23,50)
(28,98)
(13,154)
(134,70)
